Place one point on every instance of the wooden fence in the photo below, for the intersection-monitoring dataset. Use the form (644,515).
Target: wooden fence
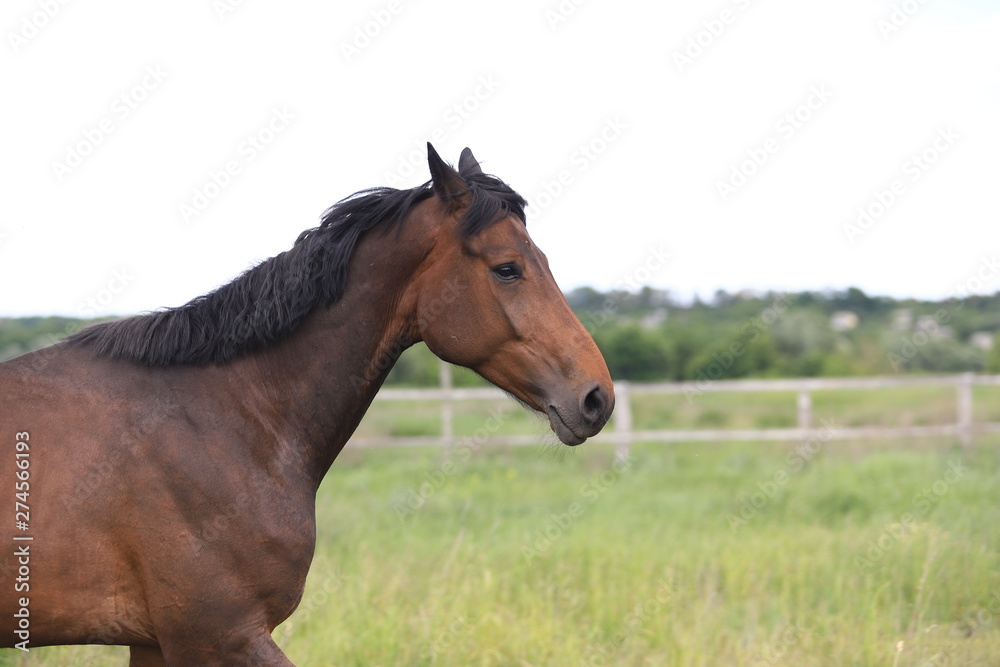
(623,434)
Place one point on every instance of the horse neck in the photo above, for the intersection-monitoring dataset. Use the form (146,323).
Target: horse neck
(315,386)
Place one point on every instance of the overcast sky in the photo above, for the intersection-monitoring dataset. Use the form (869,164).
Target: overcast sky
(150,152)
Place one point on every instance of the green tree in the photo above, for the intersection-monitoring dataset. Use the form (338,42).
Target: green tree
(633,353)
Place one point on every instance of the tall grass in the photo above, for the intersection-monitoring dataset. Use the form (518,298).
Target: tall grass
(521,559)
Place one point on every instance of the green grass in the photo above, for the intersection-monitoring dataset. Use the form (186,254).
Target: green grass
(714,410)
(900,406)
(497,568)
(903,406)
(423,418)
(548,556)
(986,404)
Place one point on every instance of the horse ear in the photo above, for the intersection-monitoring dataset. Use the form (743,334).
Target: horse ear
(468,165)
(447,182)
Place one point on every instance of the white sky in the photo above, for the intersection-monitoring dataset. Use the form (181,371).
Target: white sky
(199,80)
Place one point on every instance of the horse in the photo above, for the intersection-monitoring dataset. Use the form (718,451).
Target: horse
(123,440)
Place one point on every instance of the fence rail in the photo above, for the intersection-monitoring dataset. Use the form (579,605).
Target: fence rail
(623,434)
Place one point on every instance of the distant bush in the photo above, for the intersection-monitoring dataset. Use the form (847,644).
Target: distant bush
(648,336)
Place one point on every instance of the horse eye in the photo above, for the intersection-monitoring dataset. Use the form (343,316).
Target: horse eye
(508,272)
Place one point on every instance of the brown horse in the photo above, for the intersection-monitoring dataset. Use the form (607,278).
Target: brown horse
(126,441)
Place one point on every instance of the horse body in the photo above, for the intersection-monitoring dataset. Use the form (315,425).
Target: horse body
(172,505)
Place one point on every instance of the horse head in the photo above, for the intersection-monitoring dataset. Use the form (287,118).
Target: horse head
(509,322)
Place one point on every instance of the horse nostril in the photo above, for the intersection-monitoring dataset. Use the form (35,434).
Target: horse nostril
(594,404)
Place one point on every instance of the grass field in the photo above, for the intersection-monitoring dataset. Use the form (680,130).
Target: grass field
(838,553)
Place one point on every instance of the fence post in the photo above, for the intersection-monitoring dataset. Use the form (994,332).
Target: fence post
(447,409)
(623,422)
(804,405)
(964,411)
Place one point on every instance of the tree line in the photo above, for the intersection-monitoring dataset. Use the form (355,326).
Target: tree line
(649,335)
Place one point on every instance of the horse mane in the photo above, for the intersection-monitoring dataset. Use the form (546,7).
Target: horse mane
(269,301)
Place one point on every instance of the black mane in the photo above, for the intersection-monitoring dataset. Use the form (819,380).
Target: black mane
(268,301)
